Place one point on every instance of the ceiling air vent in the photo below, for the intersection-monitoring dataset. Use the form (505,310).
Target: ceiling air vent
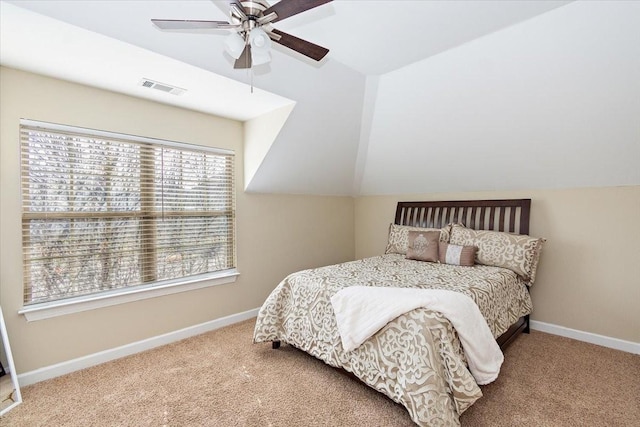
(162,87)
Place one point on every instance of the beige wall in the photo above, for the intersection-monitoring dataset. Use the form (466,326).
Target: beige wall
(276,234)
(589,272)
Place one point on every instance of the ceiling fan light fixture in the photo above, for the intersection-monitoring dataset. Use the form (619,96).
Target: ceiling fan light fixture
(234,45)
(260,41)
(259,58)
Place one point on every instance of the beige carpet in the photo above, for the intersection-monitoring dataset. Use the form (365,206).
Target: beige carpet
(221,379)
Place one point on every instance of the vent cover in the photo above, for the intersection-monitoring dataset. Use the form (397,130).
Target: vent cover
(151,84)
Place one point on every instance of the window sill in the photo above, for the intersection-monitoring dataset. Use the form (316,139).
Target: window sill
(121,296)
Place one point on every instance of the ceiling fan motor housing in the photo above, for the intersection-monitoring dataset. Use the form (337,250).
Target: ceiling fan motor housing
(254,8)
(251,17)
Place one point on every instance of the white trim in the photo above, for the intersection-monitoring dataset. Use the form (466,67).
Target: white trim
(121,296)
(94,359)
(615,343)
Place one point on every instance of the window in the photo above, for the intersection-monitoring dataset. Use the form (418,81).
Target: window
(105,212)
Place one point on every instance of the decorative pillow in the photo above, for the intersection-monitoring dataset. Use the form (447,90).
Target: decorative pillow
(519,253)
(423,245)
(399,237)
(456,254)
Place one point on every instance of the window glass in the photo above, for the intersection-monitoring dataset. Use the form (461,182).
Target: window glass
(105,211)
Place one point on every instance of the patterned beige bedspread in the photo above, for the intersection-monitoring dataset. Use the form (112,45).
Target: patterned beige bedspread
(416,359)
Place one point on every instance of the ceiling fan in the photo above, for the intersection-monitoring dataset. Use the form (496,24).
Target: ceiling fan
(250,21)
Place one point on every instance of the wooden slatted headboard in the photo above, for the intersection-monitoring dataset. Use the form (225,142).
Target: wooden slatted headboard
(499,215)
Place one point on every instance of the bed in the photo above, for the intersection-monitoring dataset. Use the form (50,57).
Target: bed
(417,358)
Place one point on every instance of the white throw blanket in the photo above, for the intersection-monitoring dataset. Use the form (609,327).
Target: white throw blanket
(361,311)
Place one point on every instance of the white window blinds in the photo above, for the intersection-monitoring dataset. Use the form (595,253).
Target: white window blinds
(104,211)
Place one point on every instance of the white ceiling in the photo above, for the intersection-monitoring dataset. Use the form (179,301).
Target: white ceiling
(371,37)
(333,136)
(551,103)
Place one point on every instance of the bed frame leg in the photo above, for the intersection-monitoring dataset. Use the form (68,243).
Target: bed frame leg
(275,345)
(526,327)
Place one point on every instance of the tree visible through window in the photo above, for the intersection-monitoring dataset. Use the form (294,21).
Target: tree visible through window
(105,211)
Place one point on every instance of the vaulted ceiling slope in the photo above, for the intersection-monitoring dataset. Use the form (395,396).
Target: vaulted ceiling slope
(553,102)
(414,96)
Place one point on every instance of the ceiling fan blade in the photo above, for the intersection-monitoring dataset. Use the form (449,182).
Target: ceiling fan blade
(244,61)
(190,24)
(304,47)
(287,8)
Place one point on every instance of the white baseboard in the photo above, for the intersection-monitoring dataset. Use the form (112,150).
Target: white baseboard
(67,367)
(615,343)
(63,368)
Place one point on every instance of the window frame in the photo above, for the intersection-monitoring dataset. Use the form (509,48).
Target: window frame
(48,309)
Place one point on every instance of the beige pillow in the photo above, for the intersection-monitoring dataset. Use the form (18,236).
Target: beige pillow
(456,254)
(398,241)
(423,245)
(519,253)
